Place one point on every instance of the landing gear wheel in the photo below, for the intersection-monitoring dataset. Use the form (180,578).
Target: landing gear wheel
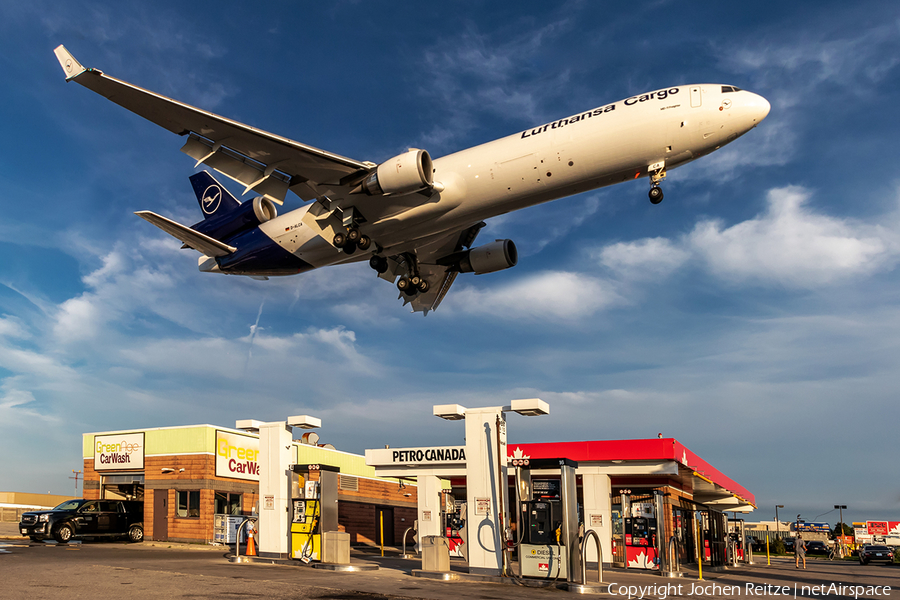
(353,235)
(415,280)
(349,248)
(364,242)
(656,195)
(423,286)
(403,284)
(340,240)
(136,534)
(379,263)
(64,533)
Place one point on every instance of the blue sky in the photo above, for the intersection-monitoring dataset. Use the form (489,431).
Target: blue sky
(753,315)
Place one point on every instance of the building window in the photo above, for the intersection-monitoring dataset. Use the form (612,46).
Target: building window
(188,504)
(228,504)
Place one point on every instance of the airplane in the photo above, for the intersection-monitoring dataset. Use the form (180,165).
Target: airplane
(414,218)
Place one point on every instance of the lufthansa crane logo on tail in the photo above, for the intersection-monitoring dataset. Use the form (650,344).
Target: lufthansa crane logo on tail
(211,200)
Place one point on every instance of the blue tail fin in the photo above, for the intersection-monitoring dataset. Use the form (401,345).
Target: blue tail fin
(214,199)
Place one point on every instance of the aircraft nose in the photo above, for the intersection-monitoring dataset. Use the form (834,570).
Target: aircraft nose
(756,107)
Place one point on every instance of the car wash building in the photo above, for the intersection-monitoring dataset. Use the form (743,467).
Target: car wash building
(187,475)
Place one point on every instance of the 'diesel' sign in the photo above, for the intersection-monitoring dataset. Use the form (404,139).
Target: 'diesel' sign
(118,451)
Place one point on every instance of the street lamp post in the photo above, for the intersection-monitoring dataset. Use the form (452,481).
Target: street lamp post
(777,506)
(839,541)
(841,507)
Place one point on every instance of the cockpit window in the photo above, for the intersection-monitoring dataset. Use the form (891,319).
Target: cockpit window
(730,88)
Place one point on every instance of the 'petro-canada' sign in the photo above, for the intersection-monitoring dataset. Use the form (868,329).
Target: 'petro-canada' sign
(431,455)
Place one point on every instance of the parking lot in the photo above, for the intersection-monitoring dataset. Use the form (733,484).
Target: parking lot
(162,570)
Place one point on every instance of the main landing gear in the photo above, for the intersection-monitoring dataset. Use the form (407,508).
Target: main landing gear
(351,240)
(411,283)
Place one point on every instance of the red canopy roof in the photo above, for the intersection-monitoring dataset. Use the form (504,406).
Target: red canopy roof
(625,450)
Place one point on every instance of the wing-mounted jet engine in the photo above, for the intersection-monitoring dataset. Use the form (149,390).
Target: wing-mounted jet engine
(410,172)
(489,258)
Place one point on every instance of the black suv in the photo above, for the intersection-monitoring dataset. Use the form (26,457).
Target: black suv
(86,518)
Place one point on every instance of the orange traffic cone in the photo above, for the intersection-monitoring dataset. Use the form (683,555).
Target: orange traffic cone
(251,546)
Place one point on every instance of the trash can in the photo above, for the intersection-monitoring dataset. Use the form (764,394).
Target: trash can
(435,553)
(336,547)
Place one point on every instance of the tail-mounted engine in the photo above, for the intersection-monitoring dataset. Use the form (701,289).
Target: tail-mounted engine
(404,174)
(496,256)
(247,216)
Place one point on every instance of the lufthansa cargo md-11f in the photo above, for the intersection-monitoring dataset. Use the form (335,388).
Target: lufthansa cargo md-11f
(413,218)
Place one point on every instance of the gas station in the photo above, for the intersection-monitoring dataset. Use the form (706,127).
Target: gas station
(487,509)
(646,504)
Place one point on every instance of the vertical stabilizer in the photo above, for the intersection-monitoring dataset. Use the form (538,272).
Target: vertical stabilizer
(214,199)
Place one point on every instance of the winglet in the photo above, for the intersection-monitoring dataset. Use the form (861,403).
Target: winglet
(71,66)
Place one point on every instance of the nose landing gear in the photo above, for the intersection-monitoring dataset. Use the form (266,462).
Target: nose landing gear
(657,173)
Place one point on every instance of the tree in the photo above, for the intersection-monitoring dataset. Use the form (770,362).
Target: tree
(841,529)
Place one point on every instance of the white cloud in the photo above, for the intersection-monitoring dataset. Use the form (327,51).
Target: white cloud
(15,409)
(553,295)
(792,245)
(122,285)
(643,259)
(12,327)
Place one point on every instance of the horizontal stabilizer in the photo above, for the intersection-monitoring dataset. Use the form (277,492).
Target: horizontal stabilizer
(194,239)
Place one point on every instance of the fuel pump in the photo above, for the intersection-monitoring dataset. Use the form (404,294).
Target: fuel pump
(547,520)
(640,536)
(453,522)
(313,509)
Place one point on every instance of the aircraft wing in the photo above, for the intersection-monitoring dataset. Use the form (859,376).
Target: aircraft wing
(439,277)
(265,163)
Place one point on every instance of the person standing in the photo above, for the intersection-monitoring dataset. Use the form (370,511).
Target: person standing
(799,551)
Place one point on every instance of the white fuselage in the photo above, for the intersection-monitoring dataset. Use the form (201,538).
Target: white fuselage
(616,142)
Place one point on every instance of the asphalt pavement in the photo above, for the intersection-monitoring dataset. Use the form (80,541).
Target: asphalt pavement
(107,569)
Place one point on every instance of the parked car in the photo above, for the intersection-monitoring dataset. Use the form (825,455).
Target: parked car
(759,544)
(788,544)
(872,553)
(86,518)
(816,547)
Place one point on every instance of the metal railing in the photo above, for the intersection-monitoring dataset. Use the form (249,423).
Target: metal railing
(237,542)
(591,533)
(408,529)
(674,555)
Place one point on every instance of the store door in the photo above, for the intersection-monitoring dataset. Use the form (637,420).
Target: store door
(385,513)
(161,515)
